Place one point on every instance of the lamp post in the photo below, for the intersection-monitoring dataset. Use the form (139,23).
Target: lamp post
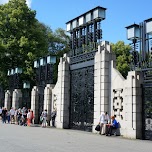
(141,35)
(133,34)
(44,70)
(14,78)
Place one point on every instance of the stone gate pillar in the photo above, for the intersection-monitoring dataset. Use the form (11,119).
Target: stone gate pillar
(133,105)
(34,104)
(7,103)
(17,99)
(102,80)
(61,93)
(48,100)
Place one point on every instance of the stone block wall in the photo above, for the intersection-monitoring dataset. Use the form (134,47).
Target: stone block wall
(61,93)
(126,102)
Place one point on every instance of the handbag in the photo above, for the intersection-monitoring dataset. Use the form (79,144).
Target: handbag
(97,128)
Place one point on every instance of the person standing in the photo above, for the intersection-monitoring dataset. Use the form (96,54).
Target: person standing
(12,115)
(44,118)
(53,116)
(104,119)
(8,116)
(102,122)
(32,116)
(4,115)
(29,118)
(0,112)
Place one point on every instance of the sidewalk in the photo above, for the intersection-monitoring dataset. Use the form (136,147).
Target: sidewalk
(14,138)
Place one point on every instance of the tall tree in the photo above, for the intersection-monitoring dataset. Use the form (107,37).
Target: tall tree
(58,45)
(123,57)
(58,42)
(22,38)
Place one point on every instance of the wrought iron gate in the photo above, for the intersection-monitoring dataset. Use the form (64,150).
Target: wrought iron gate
(82,98)
(40,101)
(147,109)
(147,105)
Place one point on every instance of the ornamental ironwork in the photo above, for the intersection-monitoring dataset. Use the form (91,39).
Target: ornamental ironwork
(85,31)
(147,108)
(40,100)
(82,98)
(82,57)
(141,46)
(44,74)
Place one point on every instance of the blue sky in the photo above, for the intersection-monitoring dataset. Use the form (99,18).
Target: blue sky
(119,14)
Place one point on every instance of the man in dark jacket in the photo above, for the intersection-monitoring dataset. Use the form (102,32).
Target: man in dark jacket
(53,116)
(4,114)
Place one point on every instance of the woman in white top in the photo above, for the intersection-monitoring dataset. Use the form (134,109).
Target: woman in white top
(104,119)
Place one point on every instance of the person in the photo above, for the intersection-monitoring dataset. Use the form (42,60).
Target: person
(53,116)
(44,118)
(15,116)
(8,116)
(113,125)
(12,115)
(32,116)
(0,112)
(4,115)
(107,118)
(29,118)
(104,119)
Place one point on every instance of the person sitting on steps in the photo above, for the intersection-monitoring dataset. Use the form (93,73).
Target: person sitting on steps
(113,125)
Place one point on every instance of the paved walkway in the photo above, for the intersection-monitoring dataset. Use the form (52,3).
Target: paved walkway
(15,138)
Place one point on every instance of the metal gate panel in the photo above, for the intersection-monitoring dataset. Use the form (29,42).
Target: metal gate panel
(82,98)
(147,109)
(40,100)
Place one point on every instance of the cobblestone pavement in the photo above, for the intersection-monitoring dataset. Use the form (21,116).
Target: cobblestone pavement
(15,138)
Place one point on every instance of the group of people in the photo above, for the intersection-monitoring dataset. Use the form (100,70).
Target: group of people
(106,126)
(43,118)
(23,117)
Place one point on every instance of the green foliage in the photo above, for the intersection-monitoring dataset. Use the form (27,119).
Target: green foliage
(22,38)
(59,45)
(58,42)
(123,57)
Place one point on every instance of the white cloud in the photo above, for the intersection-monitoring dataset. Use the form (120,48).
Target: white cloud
(6,1)
(29,2)
(3,1)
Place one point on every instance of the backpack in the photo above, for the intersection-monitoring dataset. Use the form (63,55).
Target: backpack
(97,128)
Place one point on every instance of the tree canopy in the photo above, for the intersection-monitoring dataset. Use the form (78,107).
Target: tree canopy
(23,39)
(123,57)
